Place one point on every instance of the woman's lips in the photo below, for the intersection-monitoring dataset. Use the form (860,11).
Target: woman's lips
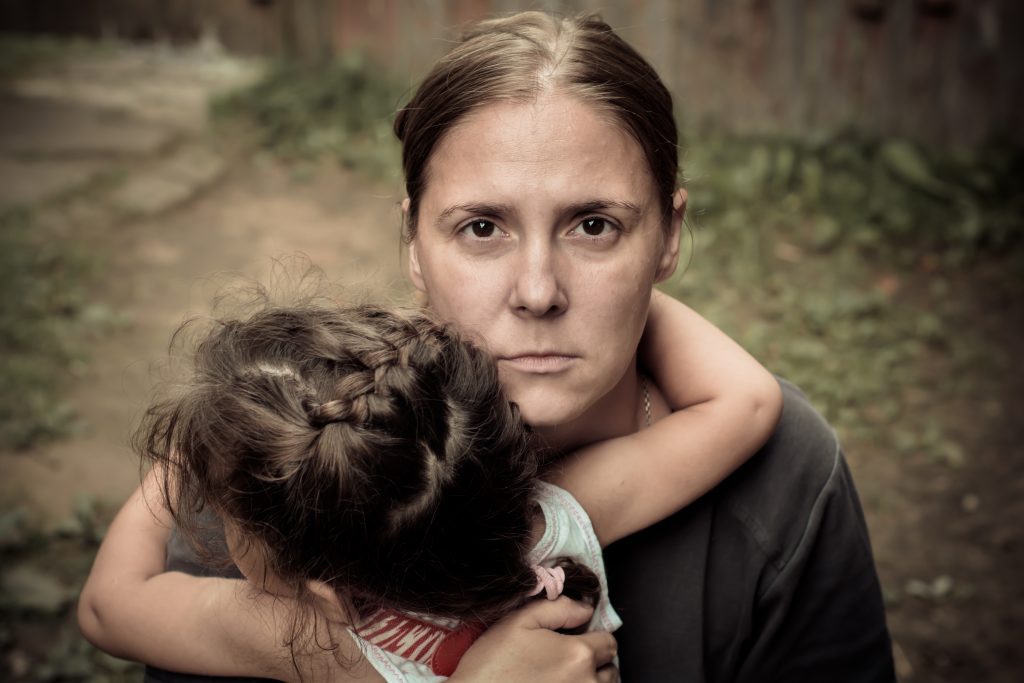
(540,363)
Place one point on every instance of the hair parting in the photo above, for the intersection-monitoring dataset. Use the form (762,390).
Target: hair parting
(520,57)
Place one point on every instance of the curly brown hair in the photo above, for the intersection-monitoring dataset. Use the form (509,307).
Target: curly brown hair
(367,448)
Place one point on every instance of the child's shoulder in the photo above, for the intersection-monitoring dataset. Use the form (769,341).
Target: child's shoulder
(568,531)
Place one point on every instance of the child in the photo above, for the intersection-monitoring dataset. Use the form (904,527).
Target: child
(370,475)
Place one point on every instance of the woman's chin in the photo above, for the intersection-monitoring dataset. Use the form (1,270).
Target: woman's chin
(553,403)
(549,411)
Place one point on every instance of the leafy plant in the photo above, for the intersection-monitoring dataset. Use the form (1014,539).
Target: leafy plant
(42,304)
(889,194)
(21,54)
(835,262)
(342,109)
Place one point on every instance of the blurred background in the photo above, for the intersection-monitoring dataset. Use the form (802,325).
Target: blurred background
(854,168)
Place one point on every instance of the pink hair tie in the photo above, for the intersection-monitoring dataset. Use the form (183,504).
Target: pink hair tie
(551,581)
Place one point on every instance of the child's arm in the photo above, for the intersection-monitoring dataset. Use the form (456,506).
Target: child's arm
(131,608)
(726,404)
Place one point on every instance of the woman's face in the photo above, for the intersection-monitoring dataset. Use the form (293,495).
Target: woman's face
(540,233)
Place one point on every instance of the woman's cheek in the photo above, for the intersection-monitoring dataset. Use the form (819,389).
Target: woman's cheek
(623,287)
(470,295)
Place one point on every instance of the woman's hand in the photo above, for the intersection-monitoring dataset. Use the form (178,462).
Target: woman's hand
(524,646)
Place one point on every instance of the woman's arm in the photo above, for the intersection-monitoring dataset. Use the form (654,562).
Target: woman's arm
(131,608)
(726,406)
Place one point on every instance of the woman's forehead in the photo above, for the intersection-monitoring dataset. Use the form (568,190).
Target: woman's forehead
(553,146)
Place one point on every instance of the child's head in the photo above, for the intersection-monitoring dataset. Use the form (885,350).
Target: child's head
(367,449)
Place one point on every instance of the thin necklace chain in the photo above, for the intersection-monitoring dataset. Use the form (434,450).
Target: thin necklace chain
(647,400)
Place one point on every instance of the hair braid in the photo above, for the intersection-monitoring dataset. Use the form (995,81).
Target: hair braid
(368,448)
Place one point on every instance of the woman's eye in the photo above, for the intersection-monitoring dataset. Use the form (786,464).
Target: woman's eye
(481,229)
(594,227)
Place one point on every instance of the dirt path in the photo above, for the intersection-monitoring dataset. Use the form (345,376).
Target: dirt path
(179,216)
(162,269)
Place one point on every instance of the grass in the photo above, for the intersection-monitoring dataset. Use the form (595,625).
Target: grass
(43,314)
(44,310)
(39,635)
(20,55)
(841,266)
(341,110)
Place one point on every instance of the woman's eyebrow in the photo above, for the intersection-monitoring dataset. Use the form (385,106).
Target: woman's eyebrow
(599,204)
(486,209)
(476,208)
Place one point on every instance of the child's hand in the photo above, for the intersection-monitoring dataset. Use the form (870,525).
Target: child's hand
(524,647)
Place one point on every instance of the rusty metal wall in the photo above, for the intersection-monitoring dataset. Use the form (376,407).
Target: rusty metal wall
(944,71)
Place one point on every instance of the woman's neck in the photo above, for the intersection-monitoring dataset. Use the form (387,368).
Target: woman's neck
(617,413)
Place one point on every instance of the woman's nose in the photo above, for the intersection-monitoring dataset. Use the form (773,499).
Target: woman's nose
(539,288)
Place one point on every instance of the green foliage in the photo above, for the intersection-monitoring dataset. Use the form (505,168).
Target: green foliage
(890,194)
(42,308)
(342,109)
(836,265)
(40,576)
(21,54)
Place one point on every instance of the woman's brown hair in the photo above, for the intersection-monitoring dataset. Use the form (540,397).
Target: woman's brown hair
(521,56)
(367,448)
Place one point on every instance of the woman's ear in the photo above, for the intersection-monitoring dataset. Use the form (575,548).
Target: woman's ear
(670,253)
(415,273)
(327,601)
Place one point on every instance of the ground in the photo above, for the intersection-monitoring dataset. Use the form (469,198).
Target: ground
(114,152)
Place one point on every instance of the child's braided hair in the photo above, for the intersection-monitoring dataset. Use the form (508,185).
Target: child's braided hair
(367,448)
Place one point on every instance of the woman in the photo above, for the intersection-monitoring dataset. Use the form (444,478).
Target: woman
(541,170)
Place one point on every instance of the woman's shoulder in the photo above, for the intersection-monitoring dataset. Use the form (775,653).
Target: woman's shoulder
(787,484)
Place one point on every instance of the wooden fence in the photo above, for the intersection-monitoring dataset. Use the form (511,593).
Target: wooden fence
(949,72)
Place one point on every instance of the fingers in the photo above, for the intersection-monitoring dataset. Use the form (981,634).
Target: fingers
(567,614)
(602,644)
(608,673)
(562,613)
(525,646)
